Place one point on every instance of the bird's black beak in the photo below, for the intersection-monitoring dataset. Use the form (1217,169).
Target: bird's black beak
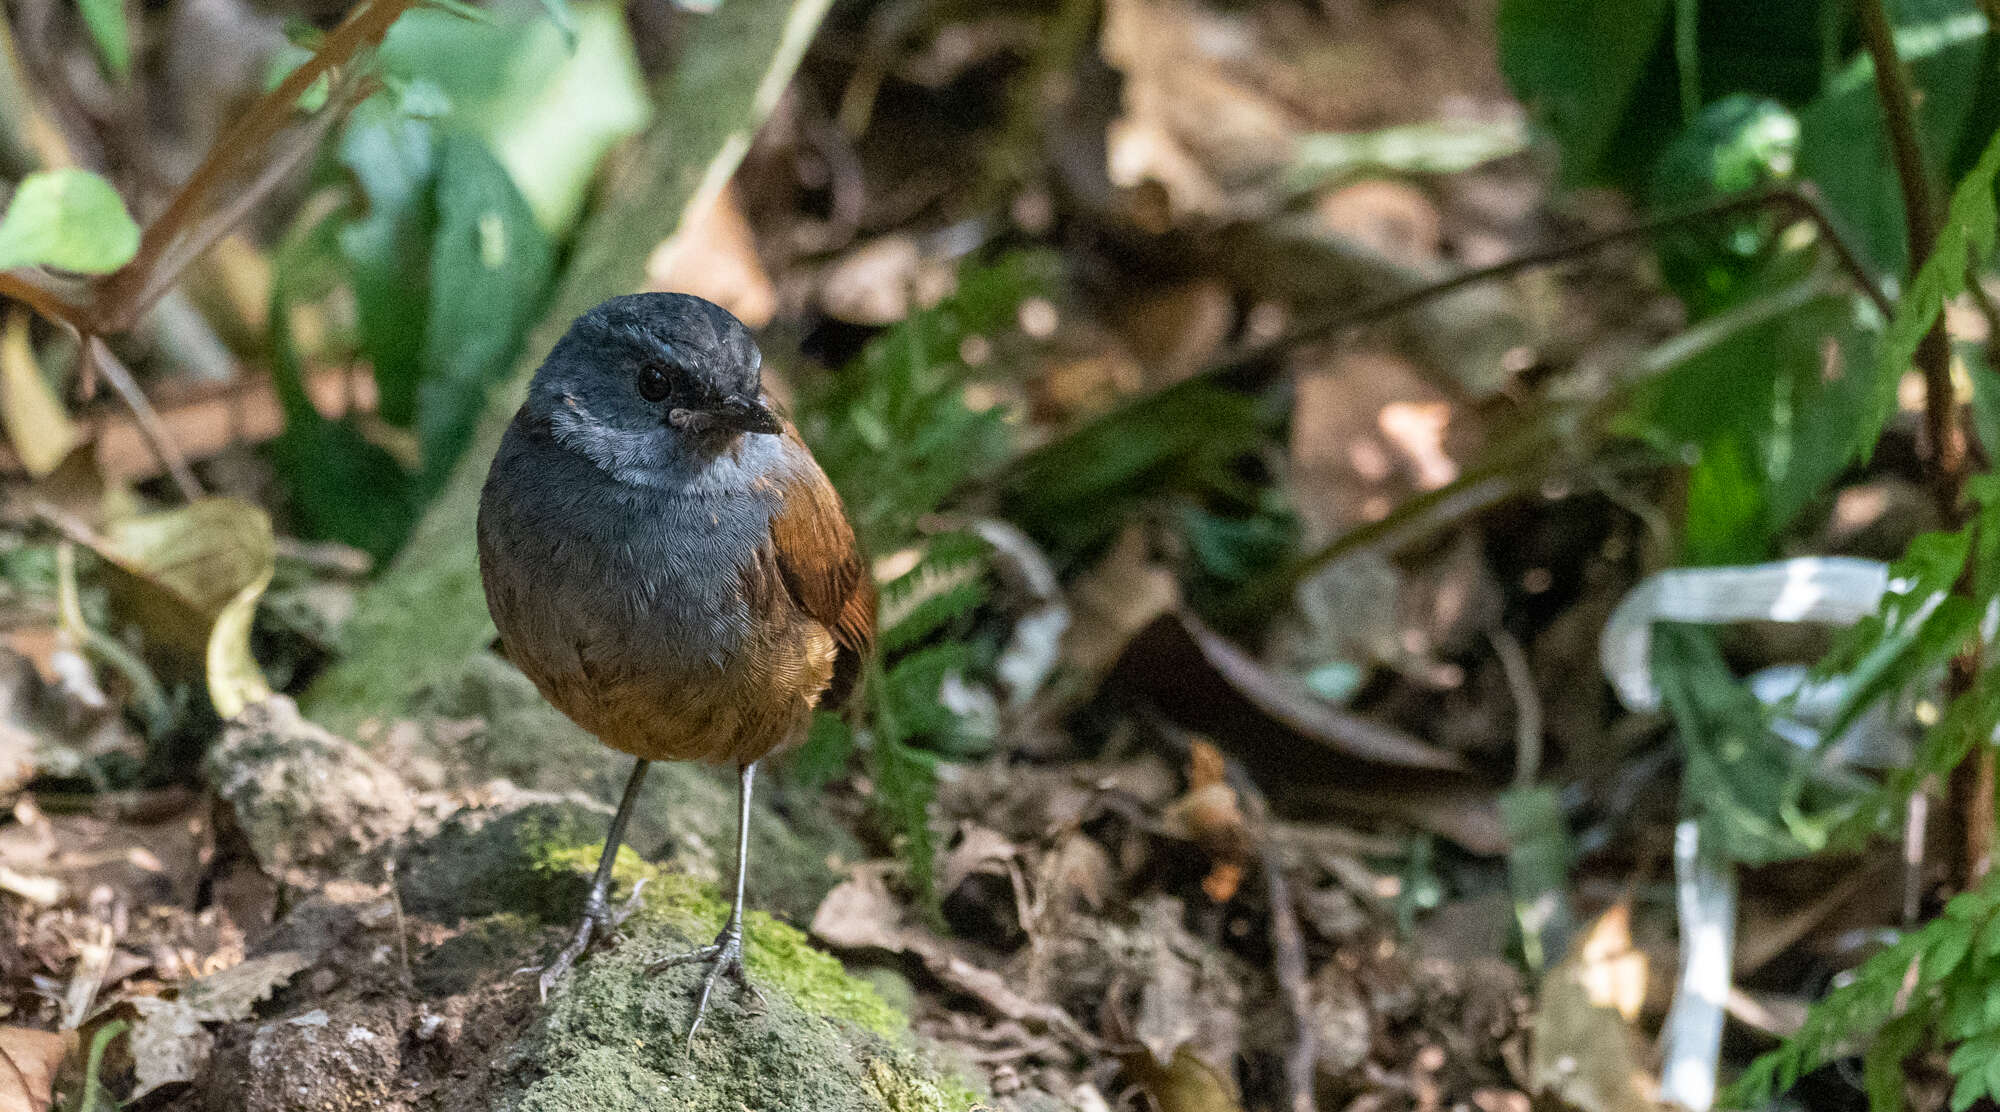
(747,415)
(736,414)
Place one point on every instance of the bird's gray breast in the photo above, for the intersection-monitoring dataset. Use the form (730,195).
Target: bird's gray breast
(622,580)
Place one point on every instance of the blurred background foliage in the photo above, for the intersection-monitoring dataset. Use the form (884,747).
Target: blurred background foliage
(1312,405)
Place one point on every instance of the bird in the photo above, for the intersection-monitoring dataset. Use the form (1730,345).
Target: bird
(663,557)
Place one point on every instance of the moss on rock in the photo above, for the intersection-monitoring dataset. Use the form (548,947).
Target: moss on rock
(613,1037)
(687,813)
(529,861)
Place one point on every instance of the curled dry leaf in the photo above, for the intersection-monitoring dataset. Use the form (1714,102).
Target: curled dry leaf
(29,1060)
(169,1041)
(191,577)
(37,425)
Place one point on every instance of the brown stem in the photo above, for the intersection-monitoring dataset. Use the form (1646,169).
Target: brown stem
(46,302)
(98,358)
(1801,200)
(1971,787)
(235,148)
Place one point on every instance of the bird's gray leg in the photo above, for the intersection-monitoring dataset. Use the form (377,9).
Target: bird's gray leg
(595,912)
(725,954)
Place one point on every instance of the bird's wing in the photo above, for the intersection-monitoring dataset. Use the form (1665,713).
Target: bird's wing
(822,569)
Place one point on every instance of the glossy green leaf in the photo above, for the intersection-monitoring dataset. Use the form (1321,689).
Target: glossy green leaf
(394,161)
(1844,146)
(490,267)
(550,100)
(69,220)
(1577,67)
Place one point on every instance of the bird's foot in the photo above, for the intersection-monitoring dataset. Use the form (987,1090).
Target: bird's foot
(598,921)
(724,958)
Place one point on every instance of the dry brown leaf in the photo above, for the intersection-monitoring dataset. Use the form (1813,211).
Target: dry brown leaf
(1584,1049)
(1211,816)
(1113,601)
(191,577)
(169,1041)
(1192,127)
(29,1061)
(714,255)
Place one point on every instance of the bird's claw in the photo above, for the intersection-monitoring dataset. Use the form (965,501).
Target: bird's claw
(597,922)
(724,957)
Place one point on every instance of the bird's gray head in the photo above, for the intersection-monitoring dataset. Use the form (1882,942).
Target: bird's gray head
(649,385)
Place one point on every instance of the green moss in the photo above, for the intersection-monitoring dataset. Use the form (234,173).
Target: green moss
(535,861)
(613,1037)
(778,956)
(905,1090)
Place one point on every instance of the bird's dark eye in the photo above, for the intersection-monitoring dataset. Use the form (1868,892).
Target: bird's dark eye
(653,385)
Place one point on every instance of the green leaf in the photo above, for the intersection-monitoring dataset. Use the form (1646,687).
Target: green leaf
(1951,940)
(342,486)
(564,19)
(490,267)
(1882,1064)
(1761,798)
(284,60)
(1578,68)
(1844,146)
(1725,507)
(1967,236)
(1735,144)
(550,98)
(105,20)
(69,220)
(394,161)
(1538,863)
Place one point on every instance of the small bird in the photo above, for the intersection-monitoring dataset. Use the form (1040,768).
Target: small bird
(669,565)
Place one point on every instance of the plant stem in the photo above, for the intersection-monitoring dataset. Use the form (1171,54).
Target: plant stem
(1972,783)
(241,146)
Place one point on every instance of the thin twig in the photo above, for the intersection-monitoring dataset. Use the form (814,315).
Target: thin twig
(1288,948)
(97,356)
(1527,706)
(47,302)
(1971,785)
(1801,200)
(242,145)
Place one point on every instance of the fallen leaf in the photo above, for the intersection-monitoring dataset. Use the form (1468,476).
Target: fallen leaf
(1584,1050)
(169,1042)
(714,255)
(860,914)
(37,425)
(29,1060)
(191,577)
(1185,1084)
(69,219)
(1211,816)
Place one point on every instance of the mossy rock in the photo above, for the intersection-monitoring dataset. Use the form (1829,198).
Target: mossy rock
(613,1037)
(521,862)
(686,814)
